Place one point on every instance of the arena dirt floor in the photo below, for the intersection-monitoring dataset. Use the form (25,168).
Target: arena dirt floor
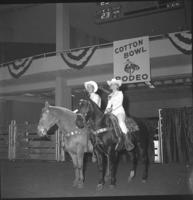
(41,179)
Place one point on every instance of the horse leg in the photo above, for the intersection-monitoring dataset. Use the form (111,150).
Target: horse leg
(107,174)
(145,163)
(133,159)
(76,170)
(113,157)
(101,168)
(80,156)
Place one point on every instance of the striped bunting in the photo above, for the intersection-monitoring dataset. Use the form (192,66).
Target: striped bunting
(182,41)
(78,59)
(19,67)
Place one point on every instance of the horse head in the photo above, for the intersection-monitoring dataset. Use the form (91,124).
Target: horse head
(46,121)
(85,110)
(90,112)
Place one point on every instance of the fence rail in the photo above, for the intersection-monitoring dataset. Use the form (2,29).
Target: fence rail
(20,141)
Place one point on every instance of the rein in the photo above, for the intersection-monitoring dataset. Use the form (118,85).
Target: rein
(98,131)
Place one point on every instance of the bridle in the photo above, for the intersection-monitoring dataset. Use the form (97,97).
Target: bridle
(85,114)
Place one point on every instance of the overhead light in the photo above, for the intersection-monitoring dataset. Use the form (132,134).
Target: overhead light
(29,94)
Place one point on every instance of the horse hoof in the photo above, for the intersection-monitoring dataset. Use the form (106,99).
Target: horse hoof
(131,176)
(99,187)
(111,186)
(130,179)
(80,185)
(75,183)
(144,180)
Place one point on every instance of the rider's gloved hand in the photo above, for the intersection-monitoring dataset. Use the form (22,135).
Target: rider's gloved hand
(108,110)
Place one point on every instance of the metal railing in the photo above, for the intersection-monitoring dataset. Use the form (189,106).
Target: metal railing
(55,53)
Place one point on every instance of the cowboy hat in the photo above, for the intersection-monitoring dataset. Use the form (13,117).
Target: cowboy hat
(93,83)
(114,81)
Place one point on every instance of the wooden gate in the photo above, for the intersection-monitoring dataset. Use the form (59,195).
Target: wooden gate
(4,142)
(20,141)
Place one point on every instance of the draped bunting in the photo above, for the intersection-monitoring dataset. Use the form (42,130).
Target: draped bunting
(182,41)
(19,67)
(77,59)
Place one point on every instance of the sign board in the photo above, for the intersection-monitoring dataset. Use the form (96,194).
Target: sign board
(131,60)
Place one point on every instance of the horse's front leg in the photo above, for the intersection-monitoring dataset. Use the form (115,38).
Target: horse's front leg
(76,170)
(133,159)
(113,158)
(101,168)
(80,159)
(107,174)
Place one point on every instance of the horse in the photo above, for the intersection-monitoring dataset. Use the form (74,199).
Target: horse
(104,139)
(75,136)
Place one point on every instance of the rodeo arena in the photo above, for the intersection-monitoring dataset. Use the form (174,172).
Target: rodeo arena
(96,99)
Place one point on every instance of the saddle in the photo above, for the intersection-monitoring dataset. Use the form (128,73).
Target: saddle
(131,126)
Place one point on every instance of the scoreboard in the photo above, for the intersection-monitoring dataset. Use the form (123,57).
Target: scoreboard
(114,11)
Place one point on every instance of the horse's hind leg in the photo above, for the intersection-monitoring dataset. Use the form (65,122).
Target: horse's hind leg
(145,162)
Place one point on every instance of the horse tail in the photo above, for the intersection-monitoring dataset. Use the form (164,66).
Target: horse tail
(144,131)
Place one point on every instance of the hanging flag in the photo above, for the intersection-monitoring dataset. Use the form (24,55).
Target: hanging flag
(18,67)
(77,59)
(182,41)
(131,60)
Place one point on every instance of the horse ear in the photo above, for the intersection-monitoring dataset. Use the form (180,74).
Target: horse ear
(79,121)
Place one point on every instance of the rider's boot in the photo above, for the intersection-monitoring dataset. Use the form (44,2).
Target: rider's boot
(128,142)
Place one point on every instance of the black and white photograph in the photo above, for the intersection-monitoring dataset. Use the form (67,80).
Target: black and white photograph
(96,99)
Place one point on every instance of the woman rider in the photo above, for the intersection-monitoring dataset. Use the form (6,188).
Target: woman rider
(115,106)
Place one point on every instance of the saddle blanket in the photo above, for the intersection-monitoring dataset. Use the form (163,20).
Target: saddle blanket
(131,124)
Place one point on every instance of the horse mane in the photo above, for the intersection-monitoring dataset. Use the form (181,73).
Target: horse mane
(62,110)
(66,118)
(95,105)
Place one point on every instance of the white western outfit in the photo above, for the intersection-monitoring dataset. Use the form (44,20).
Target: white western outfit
(96,98)
(115,101)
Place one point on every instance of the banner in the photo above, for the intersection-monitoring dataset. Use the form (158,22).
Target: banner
(131,60)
